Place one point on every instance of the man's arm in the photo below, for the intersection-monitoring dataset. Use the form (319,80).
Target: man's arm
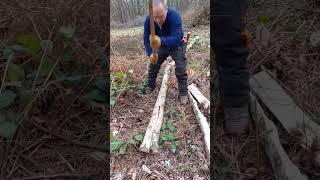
(176,33)
(146,36)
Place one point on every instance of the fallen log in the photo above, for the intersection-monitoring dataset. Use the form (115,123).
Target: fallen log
(202,100)
(282,166)
(151,137)
(202,120)
(285,109)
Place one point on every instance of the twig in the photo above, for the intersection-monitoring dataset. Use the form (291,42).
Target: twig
(69,165)
(42,58)
(5,71)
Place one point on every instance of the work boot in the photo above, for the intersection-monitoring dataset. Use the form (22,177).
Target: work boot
(236,119)
(183,100)
(149,90)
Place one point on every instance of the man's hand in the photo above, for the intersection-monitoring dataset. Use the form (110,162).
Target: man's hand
(154,58)
(155,42)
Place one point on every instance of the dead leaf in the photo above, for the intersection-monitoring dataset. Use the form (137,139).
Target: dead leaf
(146,169)
(251,172)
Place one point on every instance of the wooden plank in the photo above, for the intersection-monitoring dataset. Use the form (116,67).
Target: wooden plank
(281,105)
(282,166)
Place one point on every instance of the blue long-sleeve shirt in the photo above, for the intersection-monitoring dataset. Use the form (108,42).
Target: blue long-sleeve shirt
(171,32)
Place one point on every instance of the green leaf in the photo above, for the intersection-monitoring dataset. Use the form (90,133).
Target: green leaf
(162,134)
(163,126)
(123,148)
(15,73)
(66,56)
(8,129)
(7,52)
(169,137)
(19,48)
(97,95)
(171,128)
(138,137)
(7,98)
(67,31)
(263,18)
(142,90)
(46,44)
(45,68)
(13,84)
(58,74)
(119,76)
(101,84)
(11,116)
(24,100)
(112,102)
(30,42)
(174,148)
(291,27)
(116,145)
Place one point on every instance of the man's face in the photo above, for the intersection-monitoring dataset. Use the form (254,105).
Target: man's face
(160,14)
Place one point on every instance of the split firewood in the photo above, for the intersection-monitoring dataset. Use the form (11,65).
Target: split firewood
(151,137)
(282,166)
(202,100)
(203,123)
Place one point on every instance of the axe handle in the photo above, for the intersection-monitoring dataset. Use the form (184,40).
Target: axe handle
(154,51)
(187,40)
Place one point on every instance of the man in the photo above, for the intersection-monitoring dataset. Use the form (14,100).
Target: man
(231,54)
(169,40)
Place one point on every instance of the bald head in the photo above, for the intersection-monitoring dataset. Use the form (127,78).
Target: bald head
(159,2)
(160,10)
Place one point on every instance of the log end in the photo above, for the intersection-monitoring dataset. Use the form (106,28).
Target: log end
(145,149)
(155,148)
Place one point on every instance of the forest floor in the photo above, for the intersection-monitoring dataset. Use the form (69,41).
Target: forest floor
(183,157)
(285,42)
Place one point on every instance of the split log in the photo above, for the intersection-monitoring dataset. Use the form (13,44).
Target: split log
(202,120)
(284,108)
(151,137)
(202,100)
(282,166)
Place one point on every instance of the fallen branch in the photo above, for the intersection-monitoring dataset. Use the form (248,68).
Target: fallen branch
(282,166)
(202,120)
(202,100)
(151,137)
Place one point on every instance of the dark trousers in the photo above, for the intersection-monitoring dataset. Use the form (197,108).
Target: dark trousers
(178,55)
(230,52)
